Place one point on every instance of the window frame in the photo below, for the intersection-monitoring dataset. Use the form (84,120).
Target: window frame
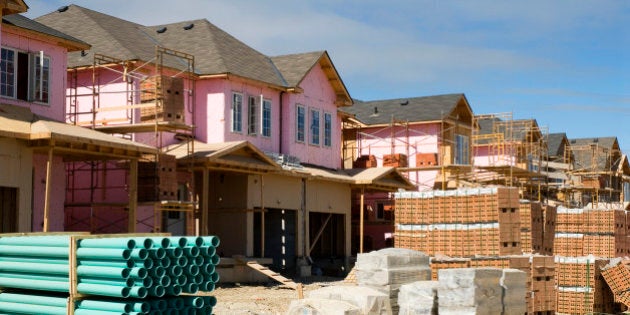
(236,113)
(300,123)
(265,117)
(4,72)
(462,150)
(314,127)
(31,76)
(327,129)
(252,115)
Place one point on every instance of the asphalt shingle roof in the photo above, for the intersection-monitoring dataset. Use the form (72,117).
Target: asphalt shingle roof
(417,109)
(294,66)
(586,159)
(21,21)
(555,144)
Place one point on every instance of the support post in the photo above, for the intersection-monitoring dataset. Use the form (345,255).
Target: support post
(133,195)
(262,216)
(204,200)
(361,218)
(48,191)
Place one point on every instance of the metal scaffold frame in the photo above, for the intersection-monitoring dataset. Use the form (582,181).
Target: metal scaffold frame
(130,119)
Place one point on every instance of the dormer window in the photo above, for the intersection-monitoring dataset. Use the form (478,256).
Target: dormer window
(24,76)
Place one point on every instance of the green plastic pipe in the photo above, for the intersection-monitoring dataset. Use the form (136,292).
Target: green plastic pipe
(157,253)
(138,292)
(33,284)
(173,289)
(145,282)
(56,261)
(103,272)
(38,268)
(181,280)
(215,259)
(110,242)
(174,252)
(194,301)
(33,251)
(144,242)
(191,251)
(95,312)
(207,269)
(194,241)
(118,283)
(198,261)
(174,271)
(144,263)
(181,261)
(178,241)
(164,281)
(165,262)
(198,278)
(33,299)
(48,240)
(176,303)
(190,288)
(104,306)
(207,250)
(210,300)
(139,253)
(206,286)
(141,307)
(157,271)
(162,242)
(156,290)
(158,305)
(191,270)
(102,253)
(106,290)
(30,276)
(107,263)
(138,273)
(211,240)
(21,308)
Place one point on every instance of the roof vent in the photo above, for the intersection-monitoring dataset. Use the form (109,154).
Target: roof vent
(62,9)
(83,53)
(189,26)
(375,112)
(404,103)
(161,30)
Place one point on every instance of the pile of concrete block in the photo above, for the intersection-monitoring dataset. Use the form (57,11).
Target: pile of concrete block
(515,290)
(470,291)
(388,269)
(342,300)
(418,298)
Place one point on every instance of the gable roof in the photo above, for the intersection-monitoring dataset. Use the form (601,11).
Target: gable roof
(65,40)
(295,67)
(555,144)
(513,130)
(417,109)
(595,154)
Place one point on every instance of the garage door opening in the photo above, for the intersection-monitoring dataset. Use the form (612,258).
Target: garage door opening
(8,209)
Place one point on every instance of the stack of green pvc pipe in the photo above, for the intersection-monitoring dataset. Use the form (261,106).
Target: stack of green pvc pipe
(122,267)
(20,303)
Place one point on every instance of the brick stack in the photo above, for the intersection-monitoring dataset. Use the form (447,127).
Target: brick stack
(581,286)
(541,289)
(395,160)
(591,231)
(461,223)
(550,214)
(617,277)
(532,227)
(158,181)
(365,161)
(168,93)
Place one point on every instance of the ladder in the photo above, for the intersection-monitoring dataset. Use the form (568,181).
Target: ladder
(273,275)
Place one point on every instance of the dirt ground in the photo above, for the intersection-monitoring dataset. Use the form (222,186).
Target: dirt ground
(268,299)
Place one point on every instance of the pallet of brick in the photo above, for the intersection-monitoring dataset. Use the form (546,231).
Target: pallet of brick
(418,298)
(387,269)
(581,286)
(617,277)
(569,244)
(532,226)
(540,270)
(550,218)
(500,262)
(470,291)
(514,284)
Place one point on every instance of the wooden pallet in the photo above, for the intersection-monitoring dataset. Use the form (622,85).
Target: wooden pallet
(273,275)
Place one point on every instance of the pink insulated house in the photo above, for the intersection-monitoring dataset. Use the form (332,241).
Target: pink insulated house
(249,144)
(35,142)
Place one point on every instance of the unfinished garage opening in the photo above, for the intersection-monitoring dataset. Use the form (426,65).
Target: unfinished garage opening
(280,238)
(8,209)
(327,242)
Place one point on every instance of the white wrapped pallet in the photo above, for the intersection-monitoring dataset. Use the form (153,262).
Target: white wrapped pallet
(368,300)
(470,291)
(418,298)
(514,283)
(312,306)
(391,276)
(391,258)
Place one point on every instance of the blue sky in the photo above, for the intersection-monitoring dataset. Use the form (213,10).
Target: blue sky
(565,63)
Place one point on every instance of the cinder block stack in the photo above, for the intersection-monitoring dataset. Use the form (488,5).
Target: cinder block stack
(581,286)
(550,214)
(418,298)
(169,93)
(459,223)
(514,287)
(388,269)
(541,290)
(470,291)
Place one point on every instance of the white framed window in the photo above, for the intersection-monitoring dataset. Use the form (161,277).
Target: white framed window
(237,112)
(266,118)
(314,137)
(300,123)
(327,129)
(25,76)
(462,150)
(252,115)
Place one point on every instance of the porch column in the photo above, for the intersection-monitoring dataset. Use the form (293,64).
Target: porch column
(361,205)
(48,191)
(133,195)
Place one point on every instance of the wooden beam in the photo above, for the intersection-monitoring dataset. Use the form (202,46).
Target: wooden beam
(205,185)
(319,233)
(133,195)
(361,218)
(262,217)
(48,191)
